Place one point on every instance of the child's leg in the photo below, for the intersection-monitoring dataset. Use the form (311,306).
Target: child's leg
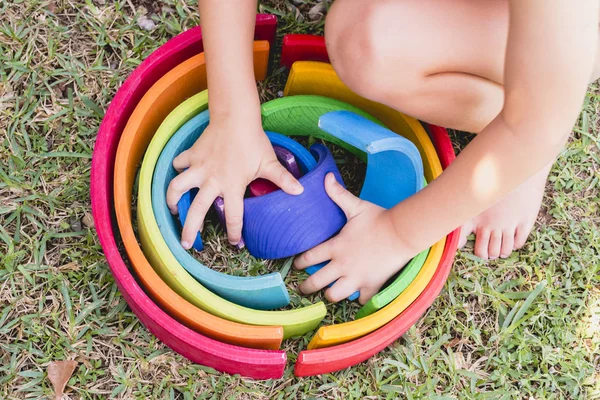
(441,62)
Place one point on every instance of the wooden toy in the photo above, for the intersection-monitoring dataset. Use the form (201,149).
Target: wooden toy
(299,47)
(161,99)
(178,328)
(255,363)
(327,360)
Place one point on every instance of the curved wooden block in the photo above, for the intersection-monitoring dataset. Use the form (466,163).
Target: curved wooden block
(394,167)
(279,225)
(178,328)
(287,159)
(171,90)
(322,361)
(316,78)
(300,47)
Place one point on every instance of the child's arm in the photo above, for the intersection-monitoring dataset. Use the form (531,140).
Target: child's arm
(234,149)
(550,56)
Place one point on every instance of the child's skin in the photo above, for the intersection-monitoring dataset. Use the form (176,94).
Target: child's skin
(513,71)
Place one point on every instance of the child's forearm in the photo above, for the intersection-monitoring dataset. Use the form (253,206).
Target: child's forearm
(550,55)
(227,33)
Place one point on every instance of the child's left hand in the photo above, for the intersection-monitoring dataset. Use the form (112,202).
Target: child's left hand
(364,255)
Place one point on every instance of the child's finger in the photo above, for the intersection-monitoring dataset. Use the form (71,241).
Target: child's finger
(196,214)
(182,161)
(234,211)
(349,203)
(320,279)
(273,171)
(182,183)
(341,289)
(316,255)
(366,294)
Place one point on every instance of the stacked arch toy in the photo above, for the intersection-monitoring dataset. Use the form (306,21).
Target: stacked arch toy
(222,321)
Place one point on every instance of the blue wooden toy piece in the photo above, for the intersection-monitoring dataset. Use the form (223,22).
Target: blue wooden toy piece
(279,225)
(394,165)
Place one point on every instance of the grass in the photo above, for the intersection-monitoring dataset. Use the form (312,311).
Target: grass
(525,327)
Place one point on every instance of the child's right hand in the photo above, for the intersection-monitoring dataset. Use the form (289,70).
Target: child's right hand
(229,155)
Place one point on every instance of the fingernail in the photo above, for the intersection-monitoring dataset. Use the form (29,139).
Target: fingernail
(330,178)
(297,187)
(185,245)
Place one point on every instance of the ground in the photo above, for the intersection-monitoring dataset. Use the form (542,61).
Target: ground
(488,335)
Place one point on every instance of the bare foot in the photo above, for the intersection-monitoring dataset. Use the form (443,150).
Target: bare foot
(506,226)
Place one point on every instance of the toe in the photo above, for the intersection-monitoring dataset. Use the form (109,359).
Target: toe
(482,241)
(508,243)
(495,244)
(465,231)
(521,236)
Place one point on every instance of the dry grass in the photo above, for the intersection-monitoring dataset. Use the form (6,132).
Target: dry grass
(62,61)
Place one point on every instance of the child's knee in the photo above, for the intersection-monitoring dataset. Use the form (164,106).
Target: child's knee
(364,58)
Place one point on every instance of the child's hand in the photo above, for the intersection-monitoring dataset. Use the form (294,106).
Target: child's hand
(365,254)
(226,158)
